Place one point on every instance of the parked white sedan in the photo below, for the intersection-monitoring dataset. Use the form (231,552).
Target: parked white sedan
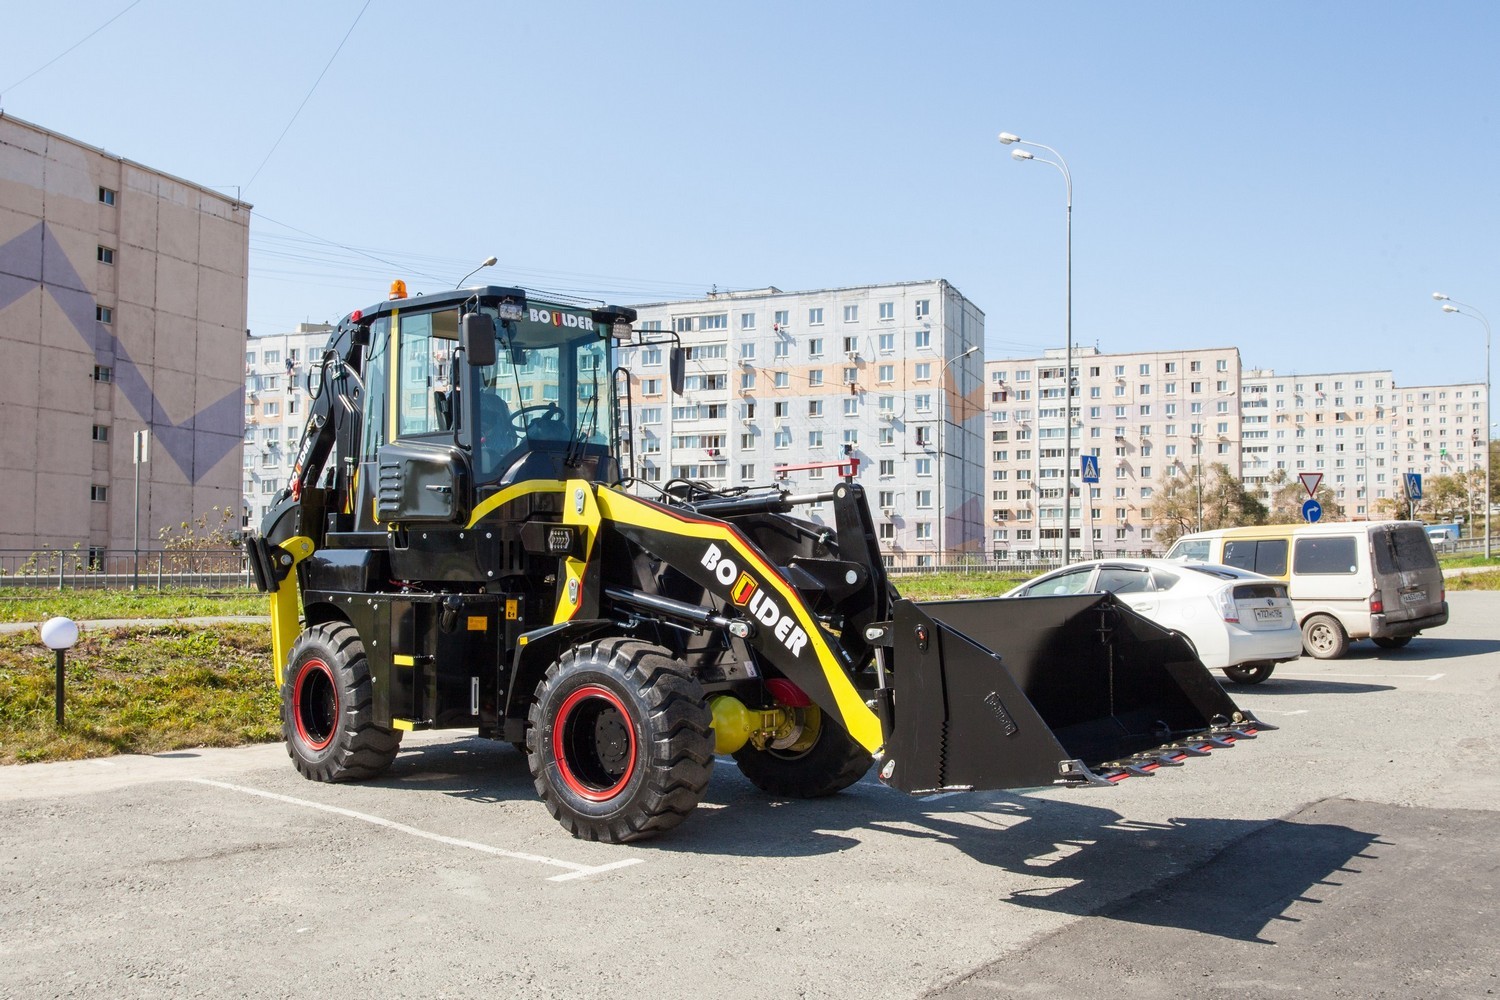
(1239,622)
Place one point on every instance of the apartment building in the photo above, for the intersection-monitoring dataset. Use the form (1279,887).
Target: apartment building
(1143,416)
(275,410)
(1439,430)
(778,381)
(1336,424)
(122,308)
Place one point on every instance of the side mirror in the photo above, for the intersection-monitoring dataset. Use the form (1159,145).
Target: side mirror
(477,337)
(677,369)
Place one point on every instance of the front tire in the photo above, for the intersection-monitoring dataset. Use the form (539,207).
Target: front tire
(1250,673)
(326,708)
(1324,638)
(620,741)
(823,761)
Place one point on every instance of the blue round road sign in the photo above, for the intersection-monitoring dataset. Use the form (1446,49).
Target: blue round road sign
(1311,511)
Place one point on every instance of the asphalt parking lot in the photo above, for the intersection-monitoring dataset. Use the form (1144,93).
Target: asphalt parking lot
(1347,855)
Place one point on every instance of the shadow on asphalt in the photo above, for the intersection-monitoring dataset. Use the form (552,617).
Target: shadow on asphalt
(1278,685)
(1078,858)
(1422,647)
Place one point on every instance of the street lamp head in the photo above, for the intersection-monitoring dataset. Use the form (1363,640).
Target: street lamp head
(1021,154)
(970,351)
(490,261)
(1440,296)
(1007,138)
(1450,309)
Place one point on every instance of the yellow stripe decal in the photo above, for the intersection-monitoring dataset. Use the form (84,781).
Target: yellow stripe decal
(510,493)
(402,660)
(861,723)
(286,604)
(393,354)
(404,725)
(580,509)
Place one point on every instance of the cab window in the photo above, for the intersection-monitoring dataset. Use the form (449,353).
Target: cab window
(424,372)
(1326,556)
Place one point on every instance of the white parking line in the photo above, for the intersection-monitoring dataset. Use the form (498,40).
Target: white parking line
(574,870)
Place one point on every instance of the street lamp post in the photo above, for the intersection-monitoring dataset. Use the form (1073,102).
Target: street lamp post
(1006,138)
(1450,306)
(490,261)
(943,448)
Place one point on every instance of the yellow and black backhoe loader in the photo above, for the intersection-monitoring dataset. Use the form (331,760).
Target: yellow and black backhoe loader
(462,546)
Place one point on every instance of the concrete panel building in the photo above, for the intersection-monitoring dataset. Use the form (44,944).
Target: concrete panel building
(275,410)
(1336,424)
(122,308)
(889,374)
(1143,416)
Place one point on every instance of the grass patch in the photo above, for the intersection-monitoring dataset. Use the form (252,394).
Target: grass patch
(945,586)
(138,690)
(37,604)
(1486,580)
(1460,562)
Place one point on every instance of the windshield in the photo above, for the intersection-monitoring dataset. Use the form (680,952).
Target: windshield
(547,389)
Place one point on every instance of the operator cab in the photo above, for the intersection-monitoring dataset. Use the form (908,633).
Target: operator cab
(467,392)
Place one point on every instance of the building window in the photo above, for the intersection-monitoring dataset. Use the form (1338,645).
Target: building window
(103,373)
(887,310)
(101,432)
(782,380)
(815,347)
(747,322)
(272,409)
(99,494)
(104,314)
(923,338)
(651,387)
(924,306)
(106,255)
(107,196)
(851,314)
(783,317)
(815,317)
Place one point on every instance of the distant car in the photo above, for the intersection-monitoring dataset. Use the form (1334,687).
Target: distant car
(1239,622)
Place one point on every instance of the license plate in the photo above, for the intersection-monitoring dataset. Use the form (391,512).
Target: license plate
(1414,598)
(1268,614)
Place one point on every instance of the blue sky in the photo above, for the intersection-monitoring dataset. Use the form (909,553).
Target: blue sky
(1294,179)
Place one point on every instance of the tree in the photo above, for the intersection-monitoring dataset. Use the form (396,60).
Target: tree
(1183,502)
(1287,495)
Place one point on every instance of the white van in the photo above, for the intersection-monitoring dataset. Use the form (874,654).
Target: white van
(1347,581)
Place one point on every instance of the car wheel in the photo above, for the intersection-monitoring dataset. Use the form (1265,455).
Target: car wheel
(1250,673)
(1392,641)
(1324,638)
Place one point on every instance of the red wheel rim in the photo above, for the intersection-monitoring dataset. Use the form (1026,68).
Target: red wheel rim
(593,743)
(315,704)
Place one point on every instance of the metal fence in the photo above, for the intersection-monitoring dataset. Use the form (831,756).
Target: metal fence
(155,569)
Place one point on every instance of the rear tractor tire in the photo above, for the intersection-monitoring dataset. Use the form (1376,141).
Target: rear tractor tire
(823,760)
(326,716)
(620,741)
(1324,638)
(1250,673)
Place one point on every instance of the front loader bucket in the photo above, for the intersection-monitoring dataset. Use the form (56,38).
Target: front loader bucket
(1024,692)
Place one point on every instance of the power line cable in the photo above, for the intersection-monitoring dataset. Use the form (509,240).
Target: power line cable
(309,94)
(70,48)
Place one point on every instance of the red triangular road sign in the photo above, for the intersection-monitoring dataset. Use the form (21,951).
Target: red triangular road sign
(1310,481)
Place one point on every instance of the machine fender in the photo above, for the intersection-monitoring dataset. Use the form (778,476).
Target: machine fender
(286,599)
(718,557)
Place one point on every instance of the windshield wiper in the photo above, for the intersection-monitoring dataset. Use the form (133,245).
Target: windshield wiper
(574,457)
